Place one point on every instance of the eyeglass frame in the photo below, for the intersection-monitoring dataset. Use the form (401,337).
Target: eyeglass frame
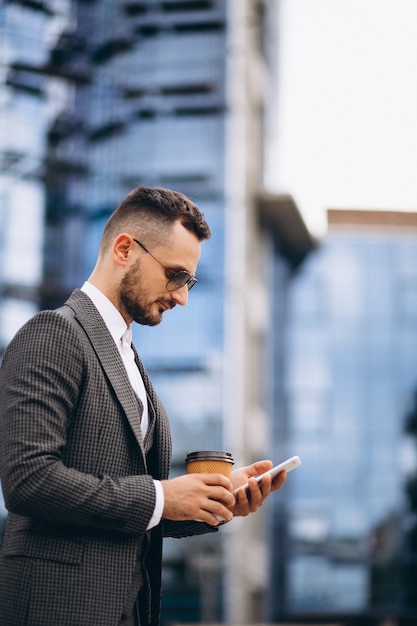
(189,282)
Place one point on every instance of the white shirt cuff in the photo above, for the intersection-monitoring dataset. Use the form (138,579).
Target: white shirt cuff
(159,505)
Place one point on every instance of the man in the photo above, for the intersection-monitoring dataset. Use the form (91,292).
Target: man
(85,444)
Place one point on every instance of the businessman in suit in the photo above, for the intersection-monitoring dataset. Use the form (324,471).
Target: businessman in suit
(85,443)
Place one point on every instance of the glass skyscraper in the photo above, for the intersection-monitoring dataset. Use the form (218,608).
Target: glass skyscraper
(28,103)
(350,380)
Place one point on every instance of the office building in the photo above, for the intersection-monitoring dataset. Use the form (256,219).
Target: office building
(350,381)
(29,100)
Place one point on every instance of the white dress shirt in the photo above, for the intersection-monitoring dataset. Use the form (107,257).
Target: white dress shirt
(122,336)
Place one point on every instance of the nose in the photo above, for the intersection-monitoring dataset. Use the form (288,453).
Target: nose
(180,295)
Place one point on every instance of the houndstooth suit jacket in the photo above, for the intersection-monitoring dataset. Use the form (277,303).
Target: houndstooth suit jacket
(77,476)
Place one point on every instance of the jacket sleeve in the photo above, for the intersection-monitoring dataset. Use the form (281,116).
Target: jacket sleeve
(186,528)
(43,382)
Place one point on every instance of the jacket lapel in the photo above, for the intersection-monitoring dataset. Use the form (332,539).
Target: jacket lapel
(152,400)
(109,357)
(159,429)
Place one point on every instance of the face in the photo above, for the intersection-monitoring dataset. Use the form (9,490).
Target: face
(143,294)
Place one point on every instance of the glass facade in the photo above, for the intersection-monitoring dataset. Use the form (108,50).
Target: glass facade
(351,354)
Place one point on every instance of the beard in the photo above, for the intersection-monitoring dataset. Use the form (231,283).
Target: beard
(133,297)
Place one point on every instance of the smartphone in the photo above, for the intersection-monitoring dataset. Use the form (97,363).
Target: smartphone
(287,465)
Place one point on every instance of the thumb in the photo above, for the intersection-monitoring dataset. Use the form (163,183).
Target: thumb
(259,467)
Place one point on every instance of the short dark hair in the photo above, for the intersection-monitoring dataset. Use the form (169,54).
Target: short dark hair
(151,212)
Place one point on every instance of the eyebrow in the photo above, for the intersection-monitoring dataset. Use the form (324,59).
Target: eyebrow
(178,268)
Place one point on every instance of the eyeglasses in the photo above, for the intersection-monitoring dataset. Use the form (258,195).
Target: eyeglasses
(176,279)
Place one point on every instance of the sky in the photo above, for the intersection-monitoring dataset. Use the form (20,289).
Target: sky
(346,128)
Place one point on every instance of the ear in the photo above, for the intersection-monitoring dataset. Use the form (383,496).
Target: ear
(122,249)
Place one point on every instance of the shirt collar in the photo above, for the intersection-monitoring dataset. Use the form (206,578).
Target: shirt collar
(111,316)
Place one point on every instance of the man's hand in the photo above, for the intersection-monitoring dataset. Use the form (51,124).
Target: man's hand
(198,497)
(249,500)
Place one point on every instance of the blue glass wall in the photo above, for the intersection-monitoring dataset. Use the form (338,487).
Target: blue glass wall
(351,354)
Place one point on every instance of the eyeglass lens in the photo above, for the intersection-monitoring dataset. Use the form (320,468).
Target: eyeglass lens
(181,279)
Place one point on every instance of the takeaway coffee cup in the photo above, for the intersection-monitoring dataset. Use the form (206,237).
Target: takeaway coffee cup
(211,461)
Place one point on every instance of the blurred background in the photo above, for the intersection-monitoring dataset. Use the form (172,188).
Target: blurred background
(292,124)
